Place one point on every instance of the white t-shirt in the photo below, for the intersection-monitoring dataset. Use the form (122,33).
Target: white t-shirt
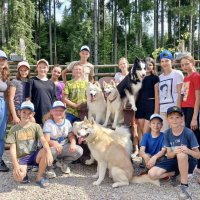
(168,89)
(119,77)
(58,132)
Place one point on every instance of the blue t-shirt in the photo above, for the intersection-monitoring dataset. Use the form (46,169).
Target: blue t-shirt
(152,145)
(186,138)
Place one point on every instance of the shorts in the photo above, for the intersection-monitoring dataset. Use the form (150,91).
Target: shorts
(171,165)
(29,159)
(72,118)
(145,109)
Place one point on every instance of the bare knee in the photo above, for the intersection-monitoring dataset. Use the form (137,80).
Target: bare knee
(182,157)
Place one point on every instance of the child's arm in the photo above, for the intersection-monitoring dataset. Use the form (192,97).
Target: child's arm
(156,91)
(72,140)
(70,103)
(178,87)
(49,157)
(192,152)
(64,74)
(170,153)
(142,153)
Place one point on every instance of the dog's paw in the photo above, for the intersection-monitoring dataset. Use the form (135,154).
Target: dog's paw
(95,176)
(96,183)
(89,162)
(104,125)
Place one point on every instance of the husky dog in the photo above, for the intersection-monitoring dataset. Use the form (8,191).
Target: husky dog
(96,102)
(114,104)
(132,83)
(108,149)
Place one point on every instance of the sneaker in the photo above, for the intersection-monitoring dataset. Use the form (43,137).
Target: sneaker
(64,167)
(3,167)
(184,193)
(34,169)
(50,173)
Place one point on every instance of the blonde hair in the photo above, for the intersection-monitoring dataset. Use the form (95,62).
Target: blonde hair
(190,59)
(152,61)
(5,73)
(123,58)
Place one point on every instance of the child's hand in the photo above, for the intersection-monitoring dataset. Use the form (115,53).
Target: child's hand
(72,147)
(152,162)
(184,149)
(194,124)
(17,171)
(178,149)
(49,158)
(77,105)
(58,147)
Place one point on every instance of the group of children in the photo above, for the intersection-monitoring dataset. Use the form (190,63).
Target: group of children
(165,94)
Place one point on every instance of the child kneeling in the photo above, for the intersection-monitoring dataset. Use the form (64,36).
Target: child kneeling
(58,133)
(23,139)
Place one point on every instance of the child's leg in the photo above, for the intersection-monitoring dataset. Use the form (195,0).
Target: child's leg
(183,167)
(146,127)
(165,123)
(135,137)
(19,175)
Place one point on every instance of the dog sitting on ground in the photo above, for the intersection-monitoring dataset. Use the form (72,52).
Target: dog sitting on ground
(108,149)
(132,83)
(96,102)
(114,105)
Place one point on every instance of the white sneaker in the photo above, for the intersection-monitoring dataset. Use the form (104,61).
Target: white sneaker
(50,173)
(64,167)
(184,193)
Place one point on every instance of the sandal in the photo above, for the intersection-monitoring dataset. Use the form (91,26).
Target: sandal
(25,180)
(43,182)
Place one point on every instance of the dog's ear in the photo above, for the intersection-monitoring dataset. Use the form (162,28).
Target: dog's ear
(104,83)
(112,83)
(92,121)
(97,84)
(85,119)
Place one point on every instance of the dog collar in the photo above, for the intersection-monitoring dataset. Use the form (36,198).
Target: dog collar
(111,100)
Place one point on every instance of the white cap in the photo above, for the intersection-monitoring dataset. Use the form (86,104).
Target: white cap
(43,60)
(156,116)
(28,105)
(58,104)
(85,47)
(3,55)
(23,63)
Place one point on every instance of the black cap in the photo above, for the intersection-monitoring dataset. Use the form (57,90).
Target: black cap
(174,109)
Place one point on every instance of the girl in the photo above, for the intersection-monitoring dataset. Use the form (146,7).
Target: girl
(55,74)
(4,77)
(190,93)
(17,88)
(123,66)
(41,91)
(58,133)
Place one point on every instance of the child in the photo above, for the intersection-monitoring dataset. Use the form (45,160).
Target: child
(75,93)
(169,86)
(123,66)
(88,67)
(152,144)
(17,88)
(58,133)
(41,91)
(55,74)
(4,78)
(182,149)
(23,139)
(191,97)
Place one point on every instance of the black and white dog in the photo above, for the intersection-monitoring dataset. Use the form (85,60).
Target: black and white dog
(132,83)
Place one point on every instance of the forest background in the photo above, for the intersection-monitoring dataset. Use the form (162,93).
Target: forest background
(111,28)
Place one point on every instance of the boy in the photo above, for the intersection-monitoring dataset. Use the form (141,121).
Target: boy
(23,139)
(182,152)
(88,67)
(169,86)
(152,144)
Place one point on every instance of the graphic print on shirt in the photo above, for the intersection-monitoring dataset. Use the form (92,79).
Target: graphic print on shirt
(185,90)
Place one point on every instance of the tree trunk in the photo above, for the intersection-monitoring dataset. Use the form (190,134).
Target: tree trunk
(96,34)
(55,36)
(162,23)
(155,24)
(50,35)
(115,34)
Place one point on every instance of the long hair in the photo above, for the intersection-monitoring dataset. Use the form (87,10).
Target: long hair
(5,73)
(18,76)
(152,61)
(190,59)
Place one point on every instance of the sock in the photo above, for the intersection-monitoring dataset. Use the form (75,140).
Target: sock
(184,184)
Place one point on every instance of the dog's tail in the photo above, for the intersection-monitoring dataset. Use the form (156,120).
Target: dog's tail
(145,179)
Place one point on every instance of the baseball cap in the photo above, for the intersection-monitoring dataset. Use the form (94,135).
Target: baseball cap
(85,47)
(28,105)
(23,63)
(156,116)
(166,54)
(58,104)
(3,55)
(174,109)
(43,60)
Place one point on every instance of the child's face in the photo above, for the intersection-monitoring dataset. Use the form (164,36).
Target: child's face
(166,63)
(150,67)
(26,115)
(123,65)
(2,62)
(77,71)
(187,66)
(175,120)
(58,113)
(155,125)
(42,69)
(23,71)
(84,55)
(56,72)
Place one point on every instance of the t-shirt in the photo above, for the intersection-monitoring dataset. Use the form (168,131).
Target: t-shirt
(42,95)
(59,89)
(58,132)
(119,77)
(19,93)
(191,83)
(88,69)
(3,88)
(152,145)
(186,138)
(76,91)
(168,89)
(26,139)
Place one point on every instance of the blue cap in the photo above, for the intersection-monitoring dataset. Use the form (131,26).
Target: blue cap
(28,105)
(174,109)
(3,55)
(166,54)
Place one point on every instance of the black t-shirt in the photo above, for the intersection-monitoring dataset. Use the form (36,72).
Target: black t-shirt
(42,94)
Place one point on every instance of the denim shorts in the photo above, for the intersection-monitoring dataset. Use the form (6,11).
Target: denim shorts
(29,159)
